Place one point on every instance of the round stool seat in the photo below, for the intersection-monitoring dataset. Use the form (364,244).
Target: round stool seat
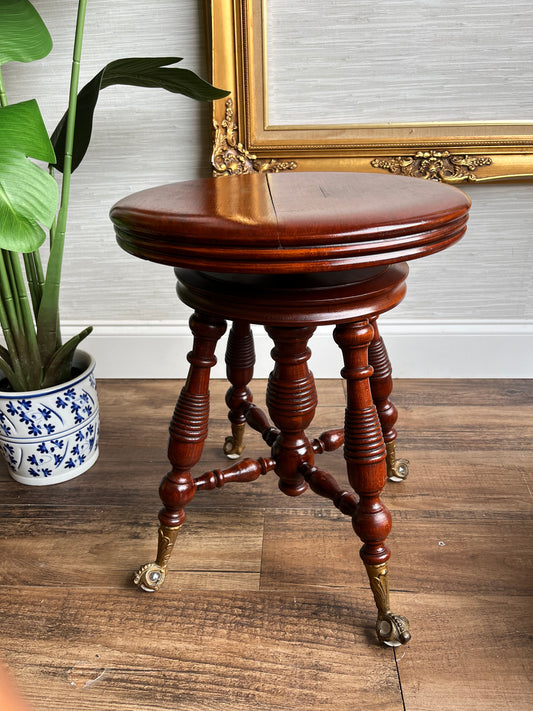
(290,222)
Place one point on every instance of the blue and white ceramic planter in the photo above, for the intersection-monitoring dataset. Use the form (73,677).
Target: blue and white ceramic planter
(49,436)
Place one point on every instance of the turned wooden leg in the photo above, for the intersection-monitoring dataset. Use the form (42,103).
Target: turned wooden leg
(381,385)
(240,360)
(365,454)
(291,400)
(188,431)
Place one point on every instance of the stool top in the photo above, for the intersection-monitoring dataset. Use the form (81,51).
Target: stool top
(290,222)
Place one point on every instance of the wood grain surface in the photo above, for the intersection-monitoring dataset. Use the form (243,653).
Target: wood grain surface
(288,223)
(267,605)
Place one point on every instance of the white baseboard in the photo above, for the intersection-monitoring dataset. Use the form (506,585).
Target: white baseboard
(418,349)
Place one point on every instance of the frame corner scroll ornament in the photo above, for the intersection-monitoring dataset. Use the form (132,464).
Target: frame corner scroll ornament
(230,157)
(440,166)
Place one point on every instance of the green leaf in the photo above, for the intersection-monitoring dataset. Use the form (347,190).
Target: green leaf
(28,194)
(23,34)
(59,368)
(143,71)
(153,72)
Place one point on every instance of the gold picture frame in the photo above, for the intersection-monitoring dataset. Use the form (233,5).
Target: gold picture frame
(244,141)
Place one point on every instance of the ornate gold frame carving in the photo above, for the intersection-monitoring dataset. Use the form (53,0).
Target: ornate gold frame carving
(435,165)
(245,142)
(231,158)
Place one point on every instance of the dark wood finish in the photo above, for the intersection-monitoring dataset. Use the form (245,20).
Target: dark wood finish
(294,222)
(245,470)
(366,459)
(189,424)
(258,421)
(381,384)
(324,484)
(329,441)
(291,400)
(364,448)
(290,252)
(291,395)
(295,300)
(240,361)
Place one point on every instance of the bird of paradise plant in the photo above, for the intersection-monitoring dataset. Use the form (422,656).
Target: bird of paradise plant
(34,356)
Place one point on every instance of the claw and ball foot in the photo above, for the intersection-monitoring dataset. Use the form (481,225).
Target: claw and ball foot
(397,469)
(151,576)
(233,445)
(391,629)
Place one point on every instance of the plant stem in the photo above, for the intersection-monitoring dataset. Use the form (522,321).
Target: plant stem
(38,268)
(48,319)
(34,368)
(9,323)
(8,261)
(17,323)
(18,382)
(8,301)
(33,281)
(3,97)
(71,120)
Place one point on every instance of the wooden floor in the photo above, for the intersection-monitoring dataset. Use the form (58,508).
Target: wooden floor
(267,605)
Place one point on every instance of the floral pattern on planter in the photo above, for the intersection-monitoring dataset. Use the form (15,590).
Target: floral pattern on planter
(51,434)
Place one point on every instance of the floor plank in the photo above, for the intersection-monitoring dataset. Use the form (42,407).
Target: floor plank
(267,604)
(223,650)
(472,652)
(315,549)
(218,548)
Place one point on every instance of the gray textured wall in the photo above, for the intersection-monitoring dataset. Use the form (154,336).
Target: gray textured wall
(400,60)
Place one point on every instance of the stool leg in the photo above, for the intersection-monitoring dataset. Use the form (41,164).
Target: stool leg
(188,431)
(381,385)
(240,361)
(291,400)
(365,454)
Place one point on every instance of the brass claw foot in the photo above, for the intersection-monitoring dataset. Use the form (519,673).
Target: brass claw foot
(152,575)
(397,469)
(233,445)
(393,630)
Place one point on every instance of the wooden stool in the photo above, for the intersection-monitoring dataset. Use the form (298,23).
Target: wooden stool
(291,251)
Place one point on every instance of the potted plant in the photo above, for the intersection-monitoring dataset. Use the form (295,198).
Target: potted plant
(48,403)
